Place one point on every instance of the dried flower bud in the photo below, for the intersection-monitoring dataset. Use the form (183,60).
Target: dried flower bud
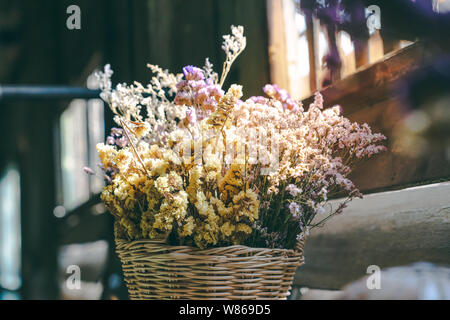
(89,171)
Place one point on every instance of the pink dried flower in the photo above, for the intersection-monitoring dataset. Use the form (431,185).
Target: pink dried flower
(258,99)
(282,96)
(197,92)
(293,190)
(309,152)
(295,209)
(270,90)
(191,115)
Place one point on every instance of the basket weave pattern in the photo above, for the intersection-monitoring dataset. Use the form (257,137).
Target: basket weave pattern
(155,270)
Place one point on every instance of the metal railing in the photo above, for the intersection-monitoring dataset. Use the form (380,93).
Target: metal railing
(32,92)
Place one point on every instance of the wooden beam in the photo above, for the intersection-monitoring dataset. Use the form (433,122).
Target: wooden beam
(311,52)
(277,44)
(386,229)
(361,52)
(375,47)
(390,44)
(371,83)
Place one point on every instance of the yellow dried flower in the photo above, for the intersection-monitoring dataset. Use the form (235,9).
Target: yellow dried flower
(246,204)
(203,206)
(221,209)
(227,229)
(241,227)
(232,183)
(195,183)
(140,129)
(187,228)
(106,153)
(241,233)
(226,104)
(207,232)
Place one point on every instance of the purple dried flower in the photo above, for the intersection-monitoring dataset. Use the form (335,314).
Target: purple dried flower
(210,104)
(109,173)
(121,142)
(215,91)
(197,92)
(118,132)
(283,95)
(193,73)
(110,140)
(270,90)
(293,190)
(116,138)
(89,171)
(295,209)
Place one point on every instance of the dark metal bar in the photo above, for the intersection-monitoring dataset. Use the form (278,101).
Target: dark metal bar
(29,92)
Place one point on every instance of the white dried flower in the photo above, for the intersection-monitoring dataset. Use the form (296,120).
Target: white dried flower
(209,71)
(126,101)
(233,45)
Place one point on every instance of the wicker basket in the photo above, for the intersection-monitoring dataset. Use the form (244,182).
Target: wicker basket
(155,270)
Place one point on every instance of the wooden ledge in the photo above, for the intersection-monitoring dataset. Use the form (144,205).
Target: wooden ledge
(386,229)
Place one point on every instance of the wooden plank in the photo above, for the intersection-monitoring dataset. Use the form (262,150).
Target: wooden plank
(39,64)
(277,44)
(311,52)
(299,82)
(361,52)
(77,59)
(318,32)
(386,229)
(390,44)
(371,83)
(348,58)
(375,48)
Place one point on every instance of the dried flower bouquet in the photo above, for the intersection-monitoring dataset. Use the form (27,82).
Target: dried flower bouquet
(194,164)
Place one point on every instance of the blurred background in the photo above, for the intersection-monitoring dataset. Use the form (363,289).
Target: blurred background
(386,63)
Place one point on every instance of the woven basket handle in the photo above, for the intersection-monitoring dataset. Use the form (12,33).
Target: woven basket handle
(300,246)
